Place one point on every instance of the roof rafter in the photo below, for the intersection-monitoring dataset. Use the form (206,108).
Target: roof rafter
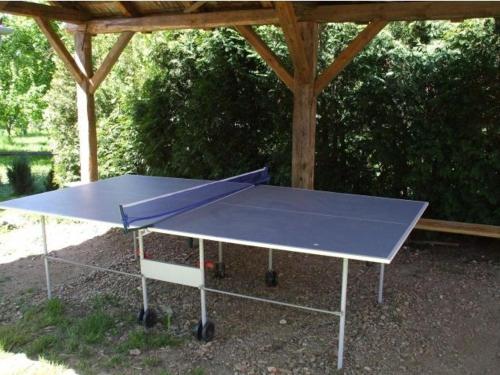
(26,8)
(110,60)
(267,54)
(353,12)
(401,11)
(348,54)
(179,21)
(193,6)
(266,4)
(127,8)
(293,37)
(61,50)
(362,13)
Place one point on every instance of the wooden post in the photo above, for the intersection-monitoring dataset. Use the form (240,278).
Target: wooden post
(304,112)
(86,110)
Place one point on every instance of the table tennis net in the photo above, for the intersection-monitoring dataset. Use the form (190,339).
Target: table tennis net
(148,212)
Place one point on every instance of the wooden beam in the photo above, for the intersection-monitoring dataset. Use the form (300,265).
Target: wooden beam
(194,6)
(401,11)
(26,8)
(360,13)
(86,111)
(127,8)
(110,60)
(179,21)
(293,37)
(266,4)
(348,54)
(304,113)
(61,51)
(460,228)
(267,54)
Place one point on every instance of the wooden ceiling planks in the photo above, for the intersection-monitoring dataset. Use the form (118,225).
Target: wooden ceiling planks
(263,12)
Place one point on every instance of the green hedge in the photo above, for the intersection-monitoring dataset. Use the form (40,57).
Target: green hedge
(415,115)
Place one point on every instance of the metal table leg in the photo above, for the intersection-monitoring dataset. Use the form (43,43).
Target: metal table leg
(220,253)
(144,280)
(270,260)
(45,258)
(134,234)
(202,289)
(343,304)
(381,284)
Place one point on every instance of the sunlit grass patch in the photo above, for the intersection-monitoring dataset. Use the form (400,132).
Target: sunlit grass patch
(26,143)
(141,339)
(85,335)
(197,371)
(92,328)
(50,313)
(40,164)
(151,361)
(116,360)
(12,337)
(41,344)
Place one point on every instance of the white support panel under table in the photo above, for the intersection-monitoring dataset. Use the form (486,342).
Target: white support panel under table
(171,273)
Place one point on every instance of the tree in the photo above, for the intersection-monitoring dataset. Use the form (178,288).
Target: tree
(414,116)
(26,70)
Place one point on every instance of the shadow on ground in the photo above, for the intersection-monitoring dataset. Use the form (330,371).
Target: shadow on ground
(440,313)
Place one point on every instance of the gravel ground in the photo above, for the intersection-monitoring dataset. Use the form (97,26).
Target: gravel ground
(440,314)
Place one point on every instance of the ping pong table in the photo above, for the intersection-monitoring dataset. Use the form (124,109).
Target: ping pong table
(239,210)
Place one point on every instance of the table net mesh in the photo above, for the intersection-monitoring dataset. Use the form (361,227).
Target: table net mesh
(146,213)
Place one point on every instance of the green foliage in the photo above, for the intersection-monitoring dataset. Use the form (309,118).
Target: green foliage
(25,75)
(211,110)
(89,335)
(41,344)
(61,121)
(120,150)
(418,122)
(13,337)
(415,115)
(22,145)
(50,183)
(92,328)
(20,176)
(140,339)
(151,361)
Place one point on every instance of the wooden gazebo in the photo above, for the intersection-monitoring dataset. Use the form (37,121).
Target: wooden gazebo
(300,24)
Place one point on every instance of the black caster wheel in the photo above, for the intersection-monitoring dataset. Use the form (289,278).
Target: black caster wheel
(140,315)
(205,332)
(220,270)
(148,318)
(271,278)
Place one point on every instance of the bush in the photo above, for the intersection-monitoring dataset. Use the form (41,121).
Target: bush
(211,111)
(49,182)
(415,115)
(20,176)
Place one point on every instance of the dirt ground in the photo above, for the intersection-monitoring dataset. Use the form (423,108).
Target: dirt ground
(440,314)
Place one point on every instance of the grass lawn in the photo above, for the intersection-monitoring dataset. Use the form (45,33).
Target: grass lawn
(40,165)
(97,336)
(26,143)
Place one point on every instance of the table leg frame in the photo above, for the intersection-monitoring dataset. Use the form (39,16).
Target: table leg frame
(145,301)
(380,296)
(46,257)
(203,296)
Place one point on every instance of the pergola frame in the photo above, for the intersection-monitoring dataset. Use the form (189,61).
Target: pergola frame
(300,24)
